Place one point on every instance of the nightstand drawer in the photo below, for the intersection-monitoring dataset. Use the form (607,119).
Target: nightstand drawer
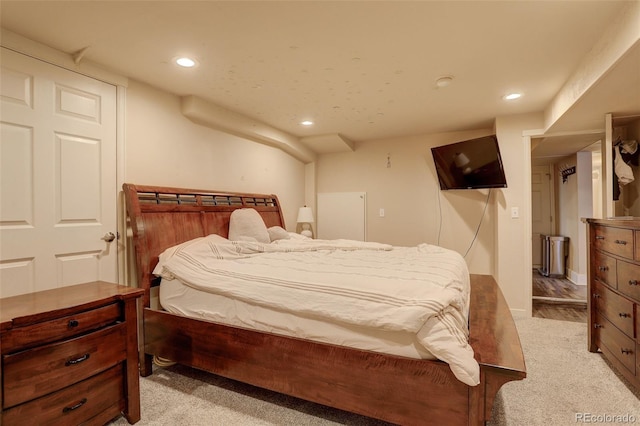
(59,328)
(69,355)
(100,395)
(36,372)
(615,308)
(617,241)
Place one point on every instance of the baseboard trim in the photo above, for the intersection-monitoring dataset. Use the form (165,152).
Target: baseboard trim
(559,301)
(576,278)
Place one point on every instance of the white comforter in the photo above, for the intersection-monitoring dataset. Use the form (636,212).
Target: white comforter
(422,290)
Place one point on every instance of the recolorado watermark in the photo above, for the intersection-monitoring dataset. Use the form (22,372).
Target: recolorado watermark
(605,418)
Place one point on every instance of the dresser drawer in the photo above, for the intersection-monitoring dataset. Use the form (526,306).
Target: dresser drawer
(629,279)
(36,372)
(101,395)
(636,251)
(615,308)
(617,241)
(616,342)
(604,268)
(59,328)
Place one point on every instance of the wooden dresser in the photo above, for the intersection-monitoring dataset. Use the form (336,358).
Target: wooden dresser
(70,355)
(614,293)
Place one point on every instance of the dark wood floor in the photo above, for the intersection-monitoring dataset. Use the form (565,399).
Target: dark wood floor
(559,298)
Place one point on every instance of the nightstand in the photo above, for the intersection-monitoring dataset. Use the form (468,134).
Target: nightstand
(70,355)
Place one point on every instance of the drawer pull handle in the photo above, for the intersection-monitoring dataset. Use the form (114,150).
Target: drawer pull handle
(603,268)
(596,296)
(626,351)
(75,407)
(73,323)
(621,242)
(633,282)
(597,325)
(623,315)
(84,358)
(599,237)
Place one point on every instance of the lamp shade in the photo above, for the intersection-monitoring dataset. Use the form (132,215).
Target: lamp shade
(461,160)
(305,215)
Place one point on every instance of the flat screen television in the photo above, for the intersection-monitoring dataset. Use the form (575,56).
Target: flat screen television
(470,164)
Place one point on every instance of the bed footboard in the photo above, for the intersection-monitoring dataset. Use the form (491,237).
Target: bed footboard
(362,382)
(396,389)
(495,341)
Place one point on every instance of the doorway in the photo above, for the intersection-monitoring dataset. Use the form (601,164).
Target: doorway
(563,190)
(542,208)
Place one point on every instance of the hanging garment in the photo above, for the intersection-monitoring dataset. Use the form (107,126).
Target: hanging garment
(629,147)
(622,169)
(629,152)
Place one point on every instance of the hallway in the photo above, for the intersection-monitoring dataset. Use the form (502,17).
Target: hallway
(558,298)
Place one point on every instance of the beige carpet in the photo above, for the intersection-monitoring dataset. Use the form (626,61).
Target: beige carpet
(564,382)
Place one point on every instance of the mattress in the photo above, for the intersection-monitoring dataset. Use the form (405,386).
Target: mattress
(407,301)
(181,299)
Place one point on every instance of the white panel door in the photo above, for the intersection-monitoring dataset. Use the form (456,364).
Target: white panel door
(342,215)
(57,177)
(541,215)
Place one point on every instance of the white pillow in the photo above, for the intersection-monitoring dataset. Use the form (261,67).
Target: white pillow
(278,233)
(168,253)
(248,223)
(246,239)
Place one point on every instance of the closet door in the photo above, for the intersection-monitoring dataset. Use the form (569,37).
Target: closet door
(342,215)
(57,177)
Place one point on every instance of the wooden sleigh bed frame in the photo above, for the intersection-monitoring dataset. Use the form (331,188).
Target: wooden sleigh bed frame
(392,388)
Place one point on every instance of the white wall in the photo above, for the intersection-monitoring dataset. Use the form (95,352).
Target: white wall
(416,210)
(165,148)
(415,206)
(513,236)
(574,202)
(578,272)
(567,208)
(596,183)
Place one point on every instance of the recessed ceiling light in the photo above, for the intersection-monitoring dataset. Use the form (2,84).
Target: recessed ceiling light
(306,123)
(511,96)
(186,62)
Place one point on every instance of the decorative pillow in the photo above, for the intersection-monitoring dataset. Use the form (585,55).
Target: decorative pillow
(248,223)
(278,233)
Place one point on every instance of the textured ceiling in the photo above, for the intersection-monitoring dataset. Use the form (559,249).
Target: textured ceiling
(364,70)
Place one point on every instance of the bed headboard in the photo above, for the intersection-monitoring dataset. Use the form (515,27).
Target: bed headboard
(161,217)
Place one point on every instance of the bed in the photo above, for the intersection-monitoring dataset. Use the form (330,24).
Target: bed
(392,387)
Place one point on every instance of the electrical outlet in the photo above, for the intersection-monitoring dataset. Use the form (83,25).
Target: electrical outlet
(515,212)
(381,212)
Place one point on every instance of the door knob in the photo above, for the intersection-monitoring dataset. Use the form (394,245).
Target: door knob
(109,236)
